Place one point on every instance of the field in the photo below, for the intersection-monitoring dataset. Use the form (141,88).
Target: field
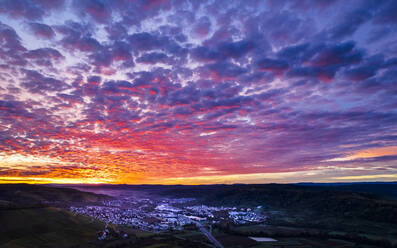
(305,237)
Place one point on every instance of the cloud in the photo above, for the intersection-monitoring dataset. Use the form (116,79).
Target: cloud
(386,13)
(144,91)
(350,23)
(99,10)
(202,27)
(153,58)
(19,8)
(29,9)
(35,82)
(224,70)
(272,65)
(42,31)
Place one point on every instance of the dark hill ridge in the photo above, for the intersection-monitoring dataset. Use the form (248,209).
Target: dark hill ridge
(384,189)
(33,195)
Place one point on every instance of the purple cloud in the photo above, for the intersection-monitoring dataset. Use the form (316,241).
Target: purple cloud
(151,90)
(42,31)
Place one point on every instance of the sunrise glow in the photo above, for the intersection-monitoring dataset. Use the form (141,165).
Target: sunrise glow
(197,92)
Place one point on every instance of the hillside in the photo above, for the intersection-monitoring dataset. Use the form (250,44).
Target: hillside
(29,217)
(383,189)
(24,195)
(45,227)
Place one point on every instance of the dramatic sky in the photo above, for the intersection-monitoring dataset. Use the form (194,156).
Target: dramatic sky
(190,91)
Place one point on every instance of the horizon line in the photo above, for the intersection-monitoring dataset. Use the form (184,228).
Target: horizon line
(229,184)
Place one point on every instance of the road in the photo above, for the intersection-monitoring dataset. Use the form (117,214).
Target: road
(208,235)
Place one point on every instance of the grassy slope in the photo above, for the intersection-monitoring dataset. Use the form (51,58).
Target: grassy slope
(45,227)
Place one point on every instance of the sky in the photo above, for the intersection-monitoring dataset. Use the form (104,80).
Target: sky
(198,92)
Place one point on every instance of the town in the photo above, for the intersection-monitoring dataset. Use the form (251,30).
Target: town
(166,214)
